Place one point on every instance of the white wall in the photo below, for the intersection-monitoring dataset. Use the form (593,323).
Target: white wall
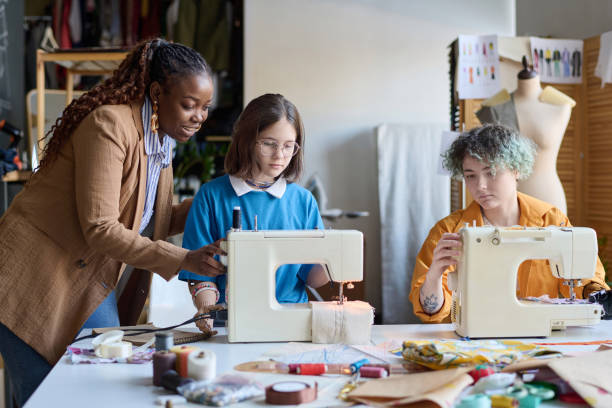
(350,65)
(563,18)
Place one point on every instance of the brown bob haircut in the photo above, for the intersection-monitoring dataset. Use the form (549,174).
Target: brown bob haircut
(259,114)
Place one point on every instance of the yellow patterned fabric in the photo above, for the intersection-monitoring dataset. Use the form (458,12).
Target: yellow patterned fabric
(443,354)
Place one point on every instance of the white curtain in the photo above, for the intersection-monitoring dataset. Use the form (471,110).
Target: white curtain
(413,196)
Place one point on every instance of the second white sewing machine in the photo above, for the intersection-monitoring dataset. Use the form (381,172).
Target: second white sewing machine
(484,287)
(253,257)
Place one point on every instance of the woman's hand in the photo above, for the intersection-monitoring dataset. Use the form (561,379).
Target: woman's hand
(444,255)
(202,261)
(206,325)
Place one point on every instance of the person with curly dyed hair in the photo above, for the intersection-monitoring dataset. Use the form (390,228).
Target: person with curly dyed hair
(491,159)
(101,199)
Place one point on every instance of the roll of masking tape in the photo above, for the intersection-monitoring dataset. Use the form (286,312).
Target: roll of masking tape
(110,345)
(182,354)
(119,349)
(290,393)
(202,365)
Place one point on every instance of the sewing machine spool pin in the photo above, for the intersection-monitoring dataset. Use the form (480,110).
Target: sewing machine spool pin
(236,219)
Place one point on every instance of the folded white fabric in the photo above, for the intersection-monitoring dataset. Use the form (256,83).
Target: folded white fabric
(349,323)
(603,69)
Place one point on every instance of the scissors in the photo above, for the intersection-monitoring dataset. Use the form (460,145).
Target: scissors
(352,384)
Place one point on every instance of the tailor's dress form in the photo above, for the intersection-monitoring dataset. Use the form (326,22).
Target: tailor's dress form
(545,124)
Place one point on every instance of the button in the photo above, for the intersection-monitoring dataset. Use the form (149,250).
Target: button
(81,264)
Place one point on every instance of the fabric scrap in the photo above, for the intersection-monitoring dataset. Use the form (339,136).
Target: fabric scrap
(347,323)
(443,354)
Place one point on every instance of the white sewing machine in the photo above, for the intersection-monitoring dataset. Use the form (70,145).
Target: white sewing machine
(484,287)
(254,256)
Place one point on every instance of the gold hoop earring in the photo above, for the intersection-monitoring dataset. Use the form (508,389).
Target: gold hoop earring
(154,119)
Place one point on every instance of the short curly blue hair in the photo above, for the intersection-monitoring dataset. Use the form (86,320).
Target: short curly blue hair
(497,145)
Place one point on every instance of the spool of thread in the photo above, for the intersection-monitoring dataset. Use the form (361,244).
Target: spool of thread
(202,365)
(236,219)
(182,355)
(530,401)
(171,380)
(357,365)
(164,341)
(503,401)
(373,372)
(162,361)
(475,401)
(311,369)
(119,349)
(390,368)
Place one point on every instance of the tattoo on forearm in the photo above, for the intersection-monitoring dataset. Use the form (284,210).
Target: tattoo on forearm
(431,304)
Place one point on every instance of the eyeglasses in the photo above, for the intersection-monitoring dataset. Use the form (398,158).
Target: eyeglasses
(269,148)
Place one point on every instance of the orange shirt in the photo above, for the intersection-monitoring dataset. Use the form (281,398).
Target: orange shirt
(534,277)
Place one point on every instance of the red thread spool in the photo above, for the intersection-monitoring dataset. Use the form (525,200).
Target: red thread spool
(373,372)
(311,369)
(182,354)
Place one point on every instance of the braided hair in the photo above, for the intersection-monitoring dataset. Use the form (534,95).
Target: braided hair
(150,61)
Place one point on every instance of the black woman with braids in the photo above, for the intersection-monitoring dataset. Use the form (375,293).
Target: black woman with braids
(100,200)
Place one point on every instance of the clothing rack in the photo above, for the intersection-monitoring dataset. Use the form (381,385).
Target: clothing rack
(78,61)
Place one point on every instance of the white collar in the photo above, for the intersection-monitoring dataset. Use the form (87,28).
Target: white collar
(241,187)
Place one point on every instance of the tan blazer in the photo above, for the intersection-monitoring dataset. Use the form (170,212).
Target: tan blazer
(67,235)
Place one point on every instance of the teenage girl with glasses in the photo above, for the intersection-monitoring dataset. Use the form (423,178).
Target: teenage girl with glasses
(264,160)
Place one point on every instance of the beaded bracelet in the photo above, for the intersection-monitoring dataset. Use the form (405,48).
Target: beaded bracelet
(211,289)
(203,284)
(201,287)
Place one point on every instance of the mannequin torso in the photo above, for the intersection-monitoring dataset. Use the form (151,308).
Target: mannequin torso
(542,116)
(545,124)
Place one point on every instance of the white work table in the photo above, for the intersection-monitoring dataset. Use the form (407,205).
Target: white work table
(130,385)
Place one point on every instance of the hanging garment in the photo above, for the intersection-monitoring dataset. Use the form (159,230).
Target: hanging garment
(172,18)
(206,27)
(75,22)
(603,69)
(503,113)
